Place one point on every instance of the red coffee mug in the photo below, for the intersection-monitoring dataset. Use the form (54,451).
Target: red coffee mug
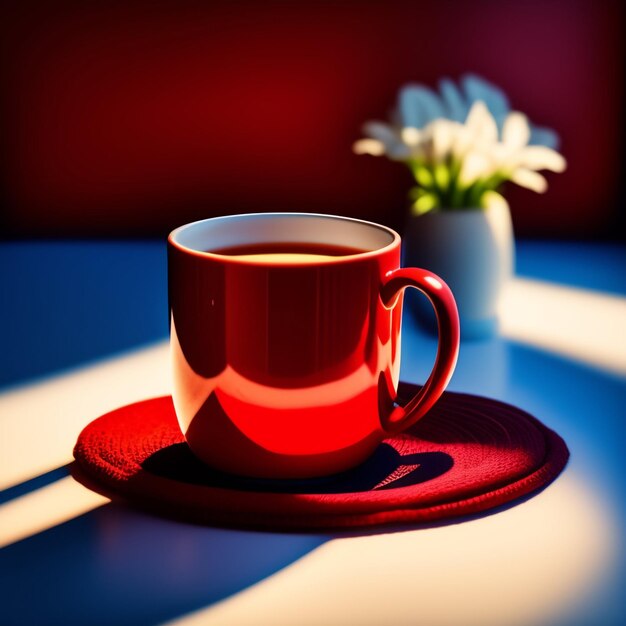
(285,341)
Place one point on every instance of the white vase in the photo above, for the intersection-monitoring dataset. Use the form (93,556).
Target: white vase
(473,251)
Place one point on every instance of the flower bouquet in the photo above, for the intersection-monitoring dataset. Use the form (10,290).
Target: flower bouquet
(462,145)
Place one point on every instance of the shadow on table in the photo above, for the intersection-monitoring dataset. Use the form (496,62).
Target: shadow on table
(586,406)
(118,566)
(581,402)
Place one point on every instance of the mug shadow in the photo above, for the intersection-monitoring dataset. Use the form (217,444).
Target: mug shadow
(385,469)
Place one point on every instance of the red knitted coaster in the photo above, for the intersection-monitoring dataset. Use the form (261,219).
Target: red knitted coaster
(469,454)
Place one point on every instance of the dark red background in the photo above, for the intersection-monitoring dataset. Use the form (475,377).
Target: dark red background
(129,118)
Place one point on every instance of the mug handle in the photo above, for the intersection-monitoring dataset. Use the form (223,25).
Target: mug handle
(440,296)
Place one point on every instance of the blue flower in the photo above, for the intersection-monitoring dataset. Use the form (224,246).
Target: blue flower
(419,105)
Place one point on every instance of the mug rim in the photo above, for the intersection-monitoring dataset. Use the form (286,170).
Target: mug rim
(366,254)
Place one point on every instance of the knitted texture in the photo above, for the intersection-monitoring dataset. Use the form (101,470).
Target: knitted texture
(468,455)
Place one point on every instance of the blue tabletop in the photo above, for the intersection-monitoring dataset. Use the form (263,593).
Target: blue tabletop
(66,304)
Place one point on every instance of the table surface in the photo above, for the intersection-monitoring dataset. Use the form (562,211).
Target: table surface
(85,332)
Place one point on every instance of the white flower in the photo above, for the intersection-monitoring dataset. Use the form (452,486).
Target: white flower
(476,165)
(515,131)
(538,158)
(443,134)
(383,139)
(518,161)
(411,136)
(529,179)
(481,127)
(369,146)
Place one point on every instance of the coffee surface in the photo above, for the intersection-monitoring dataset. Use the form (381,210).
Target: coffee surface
(287,252)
